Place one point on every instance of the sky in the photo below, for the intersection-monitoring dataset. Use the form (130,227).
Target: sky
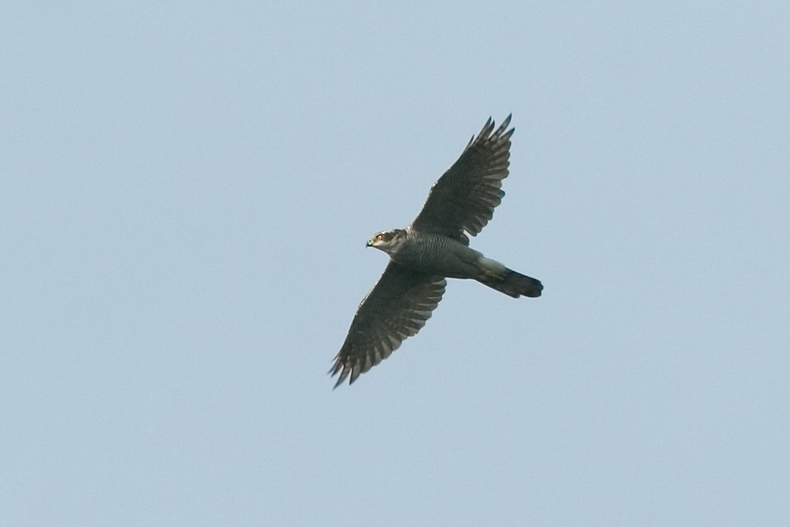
(186,189)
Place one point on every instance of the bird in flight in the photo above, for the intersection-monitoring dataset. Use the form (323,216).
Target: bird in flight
(434,247)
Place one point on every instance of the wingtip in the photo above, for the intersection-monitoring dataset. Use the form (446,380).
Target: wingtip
(488,130)
(503,127)
(341,378)
(336,368)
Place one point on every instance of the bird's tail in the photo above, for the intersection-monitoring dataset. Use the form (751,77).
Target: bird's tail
(497,276)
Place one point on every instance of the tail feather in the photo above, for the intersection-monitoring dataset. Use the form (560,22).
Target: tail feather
(511,283)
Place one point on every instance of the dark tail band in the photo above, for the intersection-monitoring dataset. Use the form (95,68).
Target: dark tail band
(512,284)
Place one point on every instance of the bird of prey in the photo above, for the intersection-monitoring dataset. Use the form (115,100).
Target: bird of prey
(434,247)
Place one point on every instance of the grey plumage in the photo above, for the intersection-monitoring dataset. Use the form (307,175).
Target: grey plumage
(434,247)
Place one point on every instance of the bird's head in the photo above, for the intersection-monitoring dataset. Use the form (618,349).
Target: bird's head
(387,241)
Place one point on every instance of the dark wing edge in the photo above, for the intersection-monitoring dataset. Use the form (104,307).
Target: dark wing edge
(463,199)
(395,309)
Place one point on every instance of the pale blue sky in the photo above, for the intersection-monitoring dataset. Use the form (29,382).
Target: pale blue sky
(185,194)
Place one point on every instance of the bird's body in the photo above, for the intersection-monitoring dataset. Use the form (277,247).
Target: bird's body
(430,253)
(434,247)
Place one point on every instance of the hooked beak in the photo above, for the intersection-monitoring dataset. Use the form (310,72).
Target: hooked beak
(368,244)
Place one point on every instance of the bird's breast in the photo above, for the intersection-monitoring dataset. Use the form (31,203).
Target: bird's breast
(438,255)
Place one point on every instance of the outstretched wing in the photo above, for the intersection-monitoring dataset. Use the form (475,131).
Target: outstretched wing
(395,309)
(464,198)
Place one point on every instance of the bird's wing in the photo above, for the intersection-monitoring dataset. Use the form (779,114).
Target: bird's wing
(464,198)
(395,309)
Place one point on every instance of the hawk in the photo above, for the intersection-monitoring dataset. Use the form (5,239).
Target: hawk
(434,247)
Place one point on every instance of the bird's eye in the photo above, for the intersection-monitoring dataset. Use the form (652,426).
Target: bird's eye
(378,236)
